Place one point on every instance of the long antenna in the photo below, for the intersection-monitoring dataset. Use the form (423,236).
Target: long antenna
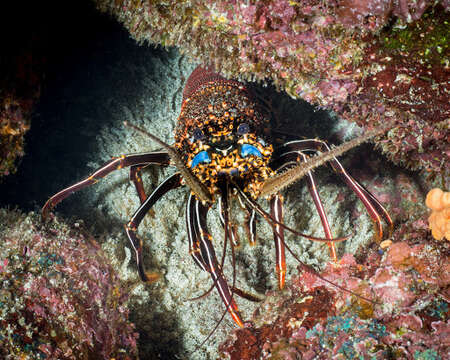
(273,185)
(194,184)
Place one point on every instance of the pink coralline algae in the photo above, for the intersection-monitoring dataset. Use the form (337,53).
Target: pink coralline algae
(59,298)
(408,318)
(371,61)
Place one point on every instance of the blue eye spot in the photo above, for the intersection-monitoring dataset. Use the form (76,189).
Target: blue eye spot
(201,157)
(247,149)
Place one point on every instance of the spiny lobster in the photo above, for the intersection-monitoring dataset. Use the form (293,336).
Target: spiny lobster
(223,150)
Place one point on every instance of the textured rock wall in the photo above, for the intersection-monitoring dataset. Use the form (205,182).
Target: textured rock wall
(371,61)
(312,52)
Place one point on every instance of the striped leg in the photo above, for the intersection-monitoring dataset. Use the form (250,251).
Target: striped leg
(135,177)
(250,226)
(272,221)
(292,158)
(131,227)
(226,222)
(195,251)
(209,257)
(372,205)
(116,163)
(276,211)
(194,233)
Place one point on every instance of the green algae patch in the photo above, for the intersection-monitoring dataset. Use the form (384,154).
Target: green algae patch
(426,39)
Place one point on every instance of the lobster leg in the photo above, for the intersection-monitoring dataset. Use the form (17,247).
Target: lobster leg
(225,220)
(320,209)
(135,177)
(209,256)
(250,226)
(272,221)
(276,211)
(116,163)
(372,205)
(131,227)
(195,251)
(292,158)
(194,233)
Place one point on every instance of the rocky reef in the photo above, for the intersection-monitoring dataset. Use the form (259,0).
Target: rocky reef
(60,297)
(360,62)
(370,61)
(399,308)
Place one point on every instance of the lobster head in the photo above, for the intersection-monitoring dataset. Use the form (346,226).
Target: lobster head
(222,134)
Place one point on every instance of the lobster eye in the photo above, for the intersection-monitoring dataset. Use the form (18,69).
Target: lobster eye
(243,129)
(247,149)
(198,134)
(201,157)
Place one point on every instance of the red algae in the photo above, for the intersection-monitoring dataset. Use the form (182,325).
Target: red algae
(399,254)
(408,318)
(299,312)
(14,124)
(60,299)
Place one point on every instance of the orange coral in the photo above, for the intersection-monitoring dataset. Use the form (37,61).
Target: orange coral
(439,202)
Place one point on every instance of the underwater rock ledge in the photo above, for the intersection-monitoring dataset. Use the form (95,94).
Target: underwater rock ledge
(371,61)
